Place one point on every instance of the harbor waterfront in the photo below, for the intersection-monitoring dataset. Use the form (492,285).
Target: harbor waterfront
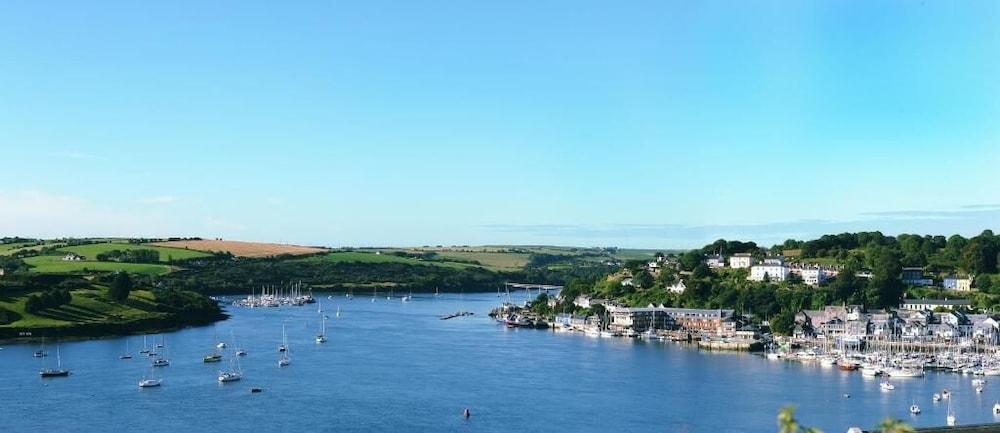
(390,365)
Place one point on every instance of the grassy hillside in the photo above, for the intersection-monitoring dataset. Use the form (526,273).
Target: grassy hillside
(166,253)
(372,257)
(56,265)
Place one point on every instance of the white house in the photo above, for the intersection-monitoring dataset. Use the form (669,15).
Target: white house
(715,261)
(72,257)
(931,304)
(961,284)
(812,276)
(741,261)
(679,287)
(771,269)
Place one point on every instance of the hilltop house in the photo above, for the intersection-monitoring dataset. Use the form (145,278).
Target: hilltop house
(914,276)
(772,269)
(715,261)
(961,284)
(73,257)
(741,261)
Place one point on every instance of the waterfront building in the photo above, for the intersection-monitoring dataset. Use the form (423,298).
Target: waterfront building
(741,261)
(932,304)
(640,319)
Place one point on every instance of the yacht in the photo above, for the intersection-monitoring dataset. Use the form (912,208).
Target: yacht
(160,362)
(996,408)
(241,352)
(950,420)
(886,386)
(936,397)
(914,409)
(321,337)
(979,388)
(39,354)
(125,354)
(149,383)
(212,357)
(234,374)
(945,394)
(229,376)
(284,360)
(54,372)
(870,370)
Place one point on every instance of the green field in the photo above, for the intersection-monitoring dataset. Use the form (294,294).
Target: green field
(8,249)
(366,257)
(88,306)
(497,260)
(56,265)
(92,250)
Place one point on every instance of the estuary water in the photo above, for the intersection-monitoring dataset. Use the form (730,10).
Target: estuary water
(394,366)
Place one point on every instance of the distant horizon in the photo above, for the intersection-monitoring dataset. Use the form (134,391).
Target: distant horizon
(653,123)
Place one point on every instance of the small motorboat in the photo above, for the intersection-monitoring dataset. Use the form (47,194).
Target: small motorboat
(945,394)
(221,345)
(39,354)
(936,397)
(241,352)
(996,409)
(125,356)
(980,388)
(212,358)
(160,362)
(886,386)
(914,409)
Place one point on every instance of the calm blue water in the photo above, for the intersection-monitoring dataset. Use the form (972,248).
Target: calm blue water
(391,366)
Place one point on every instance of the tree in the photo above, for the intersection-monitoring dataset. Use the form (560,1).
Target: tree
(783,322)
(691,260)
(120,287)
(642,280)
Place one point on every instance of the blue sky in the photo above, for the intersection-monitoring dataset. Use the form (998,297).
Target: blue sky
(646,124)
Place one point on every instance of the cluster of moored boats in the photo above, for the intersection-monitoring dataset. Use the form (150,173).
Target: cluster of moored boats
(233,373)
(904,364)
(275,297)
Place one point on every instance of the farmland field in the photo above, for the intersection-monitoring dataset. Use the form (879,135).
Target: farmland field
(241,249)
(365,257)
(56,265)
(166,253)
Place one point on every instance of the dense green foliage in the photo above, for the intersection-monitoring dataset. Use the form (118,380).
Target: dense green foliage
(120,286)
(140,255)
(47,299)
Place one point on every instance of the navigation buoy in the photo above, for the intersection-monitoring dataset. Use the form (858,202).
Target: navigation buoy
(466,413)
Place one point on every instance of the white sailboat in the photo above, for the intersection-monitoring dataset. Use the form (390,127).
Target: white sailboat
(149,382)
(338,312)
(950,420)
(284,360)
(126,354)
(321,338)
(235,372)
(145,347)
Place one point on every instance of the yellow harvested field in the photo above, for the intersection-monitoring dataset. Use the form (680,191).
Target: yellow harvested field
(241,249)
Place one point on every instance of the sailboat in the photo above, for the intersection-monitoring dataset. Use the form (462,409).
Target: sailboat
(914,409)
(950,420)
(145,348)
(235,372)
(55,372)
(149,382)
(284,360)
(338,311)
(125,354)
(40,353)
(374,294)
(407,297)
(437,292)
(239,350)
(161,343)
(321,338)
(215,356)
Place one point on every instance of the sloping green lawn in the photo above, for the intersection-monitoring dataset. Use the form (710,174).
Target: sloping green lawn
(88,306)
(91,251)
(56,265)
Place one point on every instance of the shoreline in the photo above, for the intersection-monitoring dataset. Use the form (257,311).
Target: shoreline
(98,331)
